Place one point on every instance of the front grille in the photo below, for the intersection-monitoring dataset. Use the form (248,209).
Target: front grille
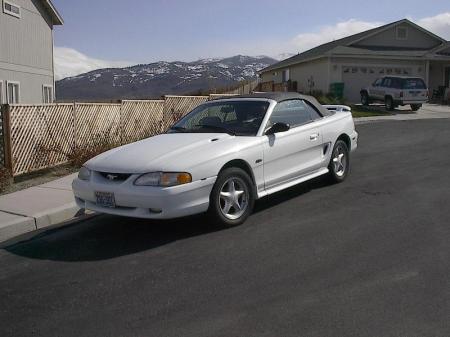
(115,176)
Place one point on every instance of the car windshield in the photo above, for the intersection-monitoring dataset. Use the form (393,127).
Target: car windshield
(240,118)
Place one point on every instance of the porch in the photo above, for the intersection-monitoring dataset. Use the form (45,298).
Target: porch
(438,80)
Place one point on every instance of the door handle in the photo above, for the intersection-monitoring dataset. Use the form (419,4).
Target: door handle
(314,136)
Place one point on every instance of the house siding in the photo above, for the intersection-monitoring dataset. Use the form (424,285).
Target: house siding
(416,39)
(26,52)
(317,69)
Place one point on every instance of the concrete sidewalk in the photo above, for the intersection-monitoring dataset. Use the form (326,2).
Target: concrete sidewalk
(37,207)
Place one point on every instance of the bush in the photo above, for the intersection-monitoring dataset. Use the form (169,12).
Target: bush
(77,155)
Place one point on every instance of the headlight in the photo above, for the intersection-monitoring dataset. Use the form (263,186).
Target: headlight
(163,179)
(84,173)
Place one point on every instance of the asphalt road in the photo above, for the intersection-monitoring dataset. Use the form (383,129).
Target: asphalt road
(369,257)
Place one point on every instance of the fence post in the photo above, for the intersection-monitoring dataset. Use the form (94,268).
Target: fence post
(74,120)
(7,143)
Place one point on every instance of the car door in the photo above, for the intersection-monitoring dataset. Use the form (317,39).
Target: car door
(293,153)
(375,90)
(384,88)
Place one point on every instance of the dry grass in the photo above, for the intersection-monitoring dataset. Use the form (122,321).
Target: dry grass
(78,154)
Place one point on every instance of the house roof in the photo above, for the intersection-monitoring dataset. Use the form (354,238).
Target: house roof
(343,45)
(53,12)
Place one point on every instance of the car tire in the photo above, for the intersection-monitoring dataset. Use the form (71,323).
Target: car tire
(365,98)
(339,165)
(415,107)
(389,103)
(224,200)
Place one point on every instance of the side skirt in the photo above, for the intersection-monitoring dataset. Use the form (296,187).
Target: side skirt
(293,182)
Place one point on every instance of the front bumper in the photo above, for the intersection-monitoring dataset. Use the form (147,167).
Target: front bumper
(145,201)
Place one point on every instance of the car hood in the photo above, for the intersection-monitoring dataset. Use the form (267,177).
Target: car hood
(167,152)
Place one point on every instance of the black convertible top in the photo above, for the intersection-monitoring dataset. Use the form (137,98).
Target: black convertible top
(283,96)
(276,96)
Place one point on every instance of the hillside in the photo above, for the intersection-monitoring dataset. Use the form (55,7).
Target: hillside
(155,79)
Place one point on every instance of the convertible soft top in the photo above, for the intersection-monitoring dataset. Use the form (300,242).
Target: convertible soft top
(283,96)
(276,96)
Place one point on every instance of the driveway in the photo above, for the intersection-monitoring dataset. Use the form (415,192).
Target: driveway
(369,257)
(427,111)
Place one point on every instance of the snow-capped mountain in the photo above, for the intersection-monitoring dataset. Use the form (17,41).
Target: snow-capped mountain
(156,79)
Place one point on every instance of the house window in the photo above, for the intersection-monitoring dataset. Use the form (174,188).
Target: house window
(285,75)
(11,9)
(401,33)
(13,92)
(47,94)
(1,92)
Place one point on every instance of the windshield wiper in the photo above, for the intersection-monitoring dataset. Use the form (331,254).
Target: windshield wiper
(217,128)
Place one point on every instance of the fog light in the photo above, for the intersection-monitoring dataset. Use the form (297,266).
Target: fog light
(155,210)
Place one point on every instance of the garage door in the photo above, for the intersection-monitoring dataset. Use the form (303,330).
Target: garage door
(356,78)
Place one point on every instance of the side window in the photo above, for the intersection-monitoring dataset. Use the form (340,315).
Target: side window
(386,82)
(47,94)
(13,92)
(313,113)
(293,112)
(377,83)
(396,83)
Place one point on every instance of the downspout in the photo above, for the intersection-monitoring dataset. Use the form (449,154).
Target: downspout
(53,66)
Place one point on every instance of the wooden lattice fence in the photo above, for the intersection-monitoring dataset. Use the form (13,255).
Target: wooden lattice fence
(34,137)
(97,122)
(42,136)
(141,119)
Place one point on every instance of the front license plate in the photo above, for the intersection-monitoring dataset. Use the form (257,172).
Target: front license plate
(105,199)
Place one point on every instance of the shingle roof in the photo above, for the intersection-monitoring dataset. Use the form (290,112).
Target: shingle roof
(322,50)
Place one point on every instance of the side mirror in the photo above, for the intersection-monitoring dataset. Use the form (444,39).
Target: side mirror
(278,127)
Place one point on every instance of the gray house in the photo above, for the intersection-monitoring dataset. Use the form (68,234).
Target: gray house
(26,51)
(398,48)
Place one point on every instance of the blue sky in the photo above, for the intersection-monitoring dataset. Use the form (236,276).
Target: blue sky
(100,33)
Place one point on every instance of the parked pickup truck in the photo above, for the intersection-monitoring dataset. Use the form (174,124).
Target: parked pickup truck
(395,91)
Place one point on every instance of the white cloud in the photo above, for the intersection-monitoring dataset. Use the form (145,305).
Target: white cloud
(438,24)
(70,62)
(305,41)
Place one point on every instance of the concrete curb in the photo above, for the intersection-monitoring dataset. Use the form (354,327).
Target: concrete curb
(17,225)
(33,233)
(38,208)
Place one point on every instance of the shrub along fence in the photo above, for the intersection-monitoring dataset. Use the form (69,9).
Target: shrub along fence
(35,137)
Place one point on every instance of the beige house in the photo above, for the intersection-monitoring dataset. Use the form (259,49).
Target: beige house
(398,48)
(26,51)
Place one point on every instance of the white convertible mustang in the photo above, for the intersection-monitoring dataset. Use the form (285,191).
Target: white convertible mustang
(220,157)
